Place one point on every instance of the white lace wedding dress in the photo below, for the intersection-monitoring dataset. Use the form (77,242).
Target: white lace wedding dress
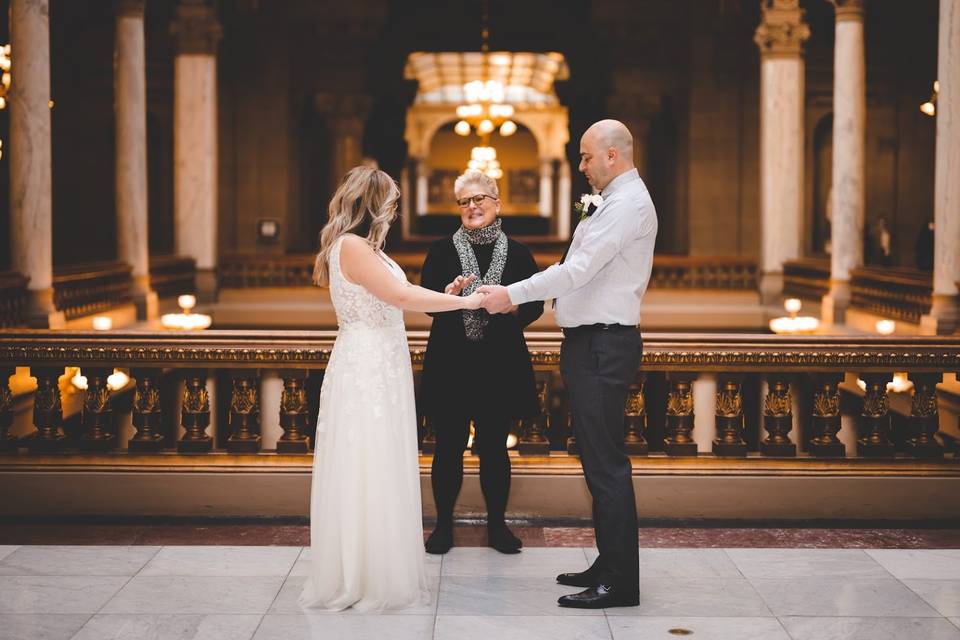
(366,528)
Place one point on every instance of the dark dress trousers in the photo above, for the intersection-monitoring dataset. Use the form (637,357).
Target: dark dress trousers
(489,381)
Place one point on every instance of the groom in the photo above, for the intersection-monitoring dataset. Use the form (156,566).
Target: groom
(597,286)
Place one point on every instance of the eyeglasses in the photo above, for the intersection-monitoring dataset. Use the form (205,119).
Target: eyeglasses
(463,203)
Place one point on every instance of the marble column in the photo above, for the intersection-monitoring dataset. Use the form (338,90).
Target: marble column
(197,32)
(546,187)
(420,173)
(31,195)
(564,206)
(130,107)
(780,37)
(849,142)
(944,317)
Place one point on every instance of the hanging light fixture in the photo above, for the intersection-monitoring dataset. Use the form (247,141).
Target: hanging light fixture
(5,80)
(485,109)
(930,106)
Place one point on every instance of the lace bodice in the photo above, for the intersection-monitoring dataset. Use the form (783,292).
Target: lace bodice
(354,305)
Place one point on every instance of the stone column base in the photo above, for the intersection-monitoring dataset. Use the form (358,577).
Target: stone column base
(944,317)
(206,280)
(771,288)
(834,305)
(145,299)
(40,313)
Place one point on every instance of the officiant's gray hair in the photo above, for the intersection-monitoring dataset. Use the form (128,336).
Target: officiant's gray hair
(472,176)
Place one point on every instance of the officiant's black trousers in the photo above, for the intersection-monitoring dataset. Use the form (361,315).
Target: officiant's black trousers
(446,475)
(598,365)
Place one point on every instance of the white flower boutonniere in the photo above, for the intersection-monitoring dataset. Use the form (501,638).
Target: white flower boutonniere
(587,199)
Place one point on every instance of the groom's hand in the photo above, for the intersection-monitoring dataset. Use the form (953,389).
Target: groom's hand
(496,300)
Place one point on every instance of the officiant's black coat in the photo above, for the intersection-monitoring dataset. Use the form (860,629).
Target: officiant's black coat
(492,377)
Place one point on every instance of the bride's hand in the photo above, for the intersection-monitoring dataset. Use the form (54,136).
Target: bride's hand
(473,301)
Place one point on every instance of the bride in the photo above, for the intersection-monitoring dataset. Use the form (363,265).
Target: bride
(366,529)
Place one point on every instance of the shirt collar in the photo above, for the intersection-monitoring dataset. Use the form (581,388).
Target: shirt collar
(622,179)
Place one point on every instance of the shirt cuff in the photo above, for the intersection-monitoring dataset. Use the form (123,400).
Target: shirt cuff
(515,293)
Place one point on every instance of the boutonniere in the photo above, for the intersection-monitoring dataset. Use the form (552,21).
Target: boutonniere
(586,201)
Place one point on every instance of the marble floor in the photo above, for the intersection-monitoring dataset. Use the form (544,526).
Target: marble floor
(222,592)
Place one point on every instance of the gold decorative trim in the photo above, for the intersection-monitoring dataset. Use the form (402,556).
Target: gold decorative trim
(556,464)
(305,350)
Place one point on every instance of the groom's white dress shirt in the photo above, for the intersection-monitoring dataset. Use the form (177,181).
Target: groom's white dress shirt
(607,267)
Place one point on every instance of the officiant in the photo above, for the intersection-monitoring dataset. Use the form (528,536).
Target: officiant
(477,365)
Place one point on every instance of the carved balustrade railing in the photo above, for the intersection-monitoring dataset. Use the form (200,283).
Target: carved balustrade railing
(13,299)
(241,271)
(83,289)
(806,278)
(172,275)
(757,396)
(895,292)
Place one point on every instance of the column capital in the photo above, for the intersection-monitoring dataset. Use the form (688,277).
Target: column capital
(782,30)
(196,28)
(129,8)
(849,9)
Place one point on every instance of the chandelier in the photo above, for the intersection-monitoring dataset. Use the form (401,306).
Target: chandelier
(5,81)
(930,106)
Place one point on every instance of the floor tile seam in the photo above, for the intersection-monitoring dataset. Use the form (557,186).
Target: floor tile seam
(766,603)
(106,602)
(606,619)
(280,588)
(917,594)
(259,624)
(151,559)
(79,629)
(955,622)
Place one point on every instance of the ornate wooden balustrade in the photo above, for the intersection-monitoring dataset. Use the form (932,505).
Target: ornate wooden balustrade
(895,292)
(84,289)
(13,299)
(241,271)
(767,397)
(806,278)
(172,275)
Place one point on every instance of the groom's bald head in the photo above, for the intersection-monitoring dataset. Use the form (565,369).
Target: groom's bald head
(613,133)
(606,151)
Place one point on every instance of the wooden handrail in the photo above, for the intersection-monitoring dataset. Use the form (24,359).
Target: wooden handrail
(311,349)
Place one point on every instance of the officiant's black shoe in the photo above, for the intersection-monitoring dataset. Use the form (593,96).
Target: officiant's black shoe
(600,597)
(440,541)
(503,540)
(582,579)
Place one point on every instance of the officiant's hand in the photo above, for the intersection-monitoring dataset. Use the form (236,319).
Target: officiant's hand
(473,301)
(458,284)
(497,300)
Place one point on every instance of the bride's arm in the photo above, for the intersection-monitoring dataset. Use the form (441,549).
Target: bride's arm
(361,265)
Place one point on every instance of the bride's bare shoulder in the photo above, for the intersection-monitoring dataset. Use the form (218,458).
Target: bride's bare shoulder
(354,244)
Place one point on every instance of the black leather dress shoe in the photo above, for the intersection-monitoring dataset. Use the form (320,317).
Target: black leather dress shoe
(439,541)
(600,597)
(582,579)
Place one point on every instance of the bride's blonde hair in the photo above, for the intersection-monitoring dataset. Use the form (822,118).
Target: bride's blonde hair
(365,204)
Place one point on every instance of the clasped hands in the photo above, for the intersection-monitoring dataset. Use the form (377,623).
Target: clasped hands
(495,298)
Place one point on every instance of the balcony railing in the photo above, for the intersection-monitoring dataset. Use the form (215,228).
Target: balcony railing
(895,292)
(84,289)
(765,397)
(806,278)
(242,271)
(172,275)
(13,299)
